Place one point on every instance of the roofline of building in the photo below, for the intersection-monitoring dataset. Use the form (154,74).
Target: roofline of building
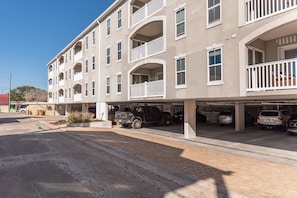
(91,26)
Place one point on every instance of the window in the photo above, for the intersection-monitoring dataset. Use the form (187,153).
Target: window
(107,85)
(108,27)
(70,55)
(119,50)
(86,89)
(69,92)
(87,66)
(50,68)
(108,56)
(93,63)
(119,83)
(119,19)
(180,22)
(93,88)
(69,73)
(181,71)
(66,75)
(215,64)
(50,82)
(65,93)
(94,37)
(87,43)
(214,11)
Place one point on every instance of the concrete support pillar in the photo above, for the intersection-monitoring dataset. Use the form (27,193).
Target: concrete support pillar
(102,110)
(239,117)
(84,107)
(189,118)
(67,109)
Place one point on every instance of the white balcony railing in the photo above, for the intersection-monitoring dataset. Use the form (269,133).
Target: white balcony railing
(147,89)
(77,76)
(77,97)
(259,9)
(61,99)
(148,49)
(78,55)
(50,87)
(147,10)
(50,100)
(62,66)
(272,75)
(61,83)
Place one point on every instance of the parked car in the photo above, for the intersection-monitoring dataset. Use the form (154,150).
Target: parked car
(178,117)
(142,115)
(291,125)
(23,109)
(273,118)
(228,118)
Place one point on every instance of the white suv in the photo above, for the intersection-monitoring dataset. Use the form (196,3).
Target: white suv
(273,118)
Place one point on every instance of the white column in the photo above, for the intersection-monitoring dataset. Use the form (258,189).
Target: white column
(102,110)
(239,117)
(189,118)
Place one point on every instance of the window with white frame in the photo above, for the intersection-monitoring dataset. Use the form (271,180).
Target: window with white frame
(108,85)
(69,73)
(215,64)
(181,71)
(69,92)
(70,55)
(66,75)
(119,83)
(93,88)
(119,50)
(86,89)
(108,27)
(87,66)
(119,19)
(94,37)
(93,63)
(87,43)
(65,93)
(108,55)
(214,11)
(180,20)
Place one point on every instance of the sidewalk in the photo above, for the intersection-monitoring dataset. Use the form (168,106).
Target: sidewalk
(233,168)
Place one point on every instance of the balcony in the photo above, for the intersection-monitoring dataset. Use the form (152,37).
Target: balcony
(78,56)
(77,76)
(147,89)
(50,87)
(257,10)
(61,99)
(277,75)
(146,11)
(61,83)
(62,66)
(77,97)
(148,49)
(50,100)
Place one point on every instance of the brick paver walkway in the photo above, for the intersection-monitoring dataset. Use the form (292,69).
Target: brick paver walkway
(244,175)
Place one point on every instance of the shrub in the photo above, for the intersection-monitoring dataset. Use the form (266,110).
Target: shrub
(77,117)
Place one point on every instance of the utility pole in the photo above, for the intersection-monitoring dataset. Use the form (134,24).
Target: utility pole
(9,91)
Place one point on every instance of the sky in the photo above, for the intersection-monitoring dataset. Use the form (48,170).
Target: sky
(32,32)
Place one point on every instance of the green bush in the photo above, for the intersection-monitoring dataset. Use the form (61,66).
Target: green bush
(77,117)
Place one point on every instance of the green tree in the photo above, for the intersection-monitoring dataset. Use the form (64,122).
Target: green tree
(28,94)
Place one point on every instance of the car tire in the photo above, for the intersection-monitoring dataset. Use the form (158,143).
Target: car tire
(136,124)
(166,120)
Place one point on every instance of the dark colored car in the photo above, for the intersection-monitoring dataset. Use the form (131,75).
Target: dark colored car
(291,125)
(178,117)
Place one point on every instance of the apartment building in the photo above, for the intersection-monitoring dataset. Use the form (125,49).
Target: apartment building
(195,53)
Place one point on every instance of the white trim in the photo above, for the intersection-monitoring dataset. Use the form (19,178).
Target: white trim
(185,22)
(119,74)
(215,23)
(185,71)
(215,82)
(281,50)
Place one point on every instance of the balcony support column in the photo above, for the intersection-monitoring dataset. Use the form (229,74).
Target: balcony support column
(189,119)
(102,110)
(239,117)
